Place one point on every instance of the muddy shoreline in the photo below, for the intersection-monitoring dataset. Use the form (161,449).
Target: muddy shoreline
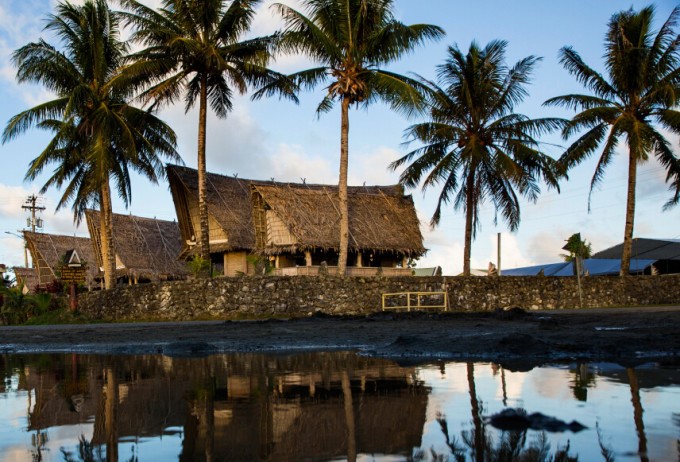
(622,335)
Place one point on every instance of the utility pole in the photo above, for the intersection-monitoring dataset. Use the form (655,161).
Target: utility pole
(32,222)
(498,255)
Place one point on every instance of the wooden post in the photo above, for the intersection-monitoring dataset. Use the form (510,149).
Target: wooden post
(308,258)
(404,262)
(359,262)
(73,303)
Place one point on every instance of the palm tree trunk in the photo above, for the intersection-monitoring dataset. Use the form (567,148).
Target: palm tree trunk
(469,212)
(106,236)
(111,416)
(349,418)
(342,188)
(630,215)
(204,236)
(479,438)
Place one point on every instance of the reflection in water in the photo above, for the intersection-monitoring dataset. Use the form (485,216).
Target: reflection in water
(509,446)
(583,379)
(478,433)
(637,414)
(318,407)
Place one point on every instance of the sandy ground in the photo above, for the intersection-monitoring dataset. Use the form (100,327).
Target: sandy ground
(624,335)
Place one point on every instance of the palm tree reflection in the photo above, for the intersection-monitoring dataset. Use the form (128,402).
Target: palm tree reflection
(478,446)
(637,414)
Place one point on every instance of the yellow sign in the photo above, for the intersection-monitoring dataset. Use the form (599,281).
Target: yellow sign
(71,274)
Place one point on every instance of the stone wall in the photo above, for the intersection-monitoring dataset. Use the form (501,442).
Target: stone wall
(256,297)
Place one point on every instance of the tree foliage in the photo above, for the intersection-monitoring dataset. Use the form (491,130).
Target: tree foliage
(351,41)
(196,50)
(98,136)
(637,95)
(474,146)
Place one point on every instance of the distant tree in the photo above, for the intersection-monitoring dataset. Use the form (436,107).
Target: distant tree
(577,247)
(475,146)
(351,40)
(641,89)
(196,48)
(98,135)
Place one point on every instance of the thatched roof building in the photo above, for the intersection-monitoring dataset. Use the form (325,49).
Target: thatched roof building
(381,218)
(295,224)
(145,247)
(47,251)
(26,277)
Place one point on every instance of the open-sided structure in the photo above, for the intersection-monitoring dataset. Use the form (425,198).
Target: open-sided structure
(146,248)
(296,226)
(663,253)
(48,250)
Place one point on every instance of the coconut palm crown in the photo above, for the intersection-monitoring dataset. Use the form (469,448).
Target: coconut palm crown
(475,148)
(639,92)
(351,40)
(195,48)
(98,135)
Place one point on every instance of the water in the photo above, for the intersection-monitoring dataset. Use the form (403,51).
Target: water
(327,407)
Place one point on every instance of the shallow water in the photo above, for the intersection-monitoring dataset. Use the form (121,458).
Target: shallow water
(327,407)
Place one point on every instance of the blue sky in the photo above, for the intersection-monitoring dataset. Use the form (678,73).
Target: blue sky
(277,139)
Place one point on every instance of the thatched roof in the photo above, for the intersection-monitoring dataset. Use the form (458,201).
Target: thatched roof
(47,251)
(228,203)
(145,247)
(26,276)
(382,218)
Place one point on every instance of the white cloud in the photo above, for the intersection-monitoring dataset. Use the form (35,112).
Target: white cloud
(512,255)
(447,249)
(13,198)
(19,25)
(292,163)
(371,167)
(267,21)
(450,258)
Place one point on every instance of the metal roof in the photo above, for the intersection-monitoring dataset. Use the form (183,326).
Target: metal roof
(594,267)
(646,249)
(548,270)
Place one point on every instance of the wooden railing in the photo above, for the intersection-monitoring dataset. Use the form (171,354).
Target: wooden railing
(352,271)
(414,301)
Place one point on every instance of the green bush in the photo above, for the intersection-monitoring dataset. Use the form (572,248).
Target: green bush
(199,267)
(20,308)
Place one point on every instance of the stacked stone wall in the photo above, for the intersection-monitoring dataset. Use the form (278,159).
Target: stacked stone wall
(258,297)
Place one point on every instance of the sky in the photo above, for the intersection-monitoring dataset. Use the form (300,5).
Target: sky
(277,139)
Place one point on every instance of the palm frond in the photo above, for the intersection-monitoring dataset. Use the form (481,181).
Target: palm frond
(587,76)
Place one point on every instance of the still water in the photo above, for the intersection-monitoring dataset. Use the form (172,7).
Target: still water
(328,407)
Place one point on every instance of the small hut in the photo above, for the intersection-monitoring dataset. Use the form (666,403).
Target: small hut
(26,277)
(296,226)
(146,248)
(48,250)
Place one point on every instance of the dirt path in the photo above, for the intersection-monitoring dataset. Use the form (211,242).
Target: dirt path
(621,335)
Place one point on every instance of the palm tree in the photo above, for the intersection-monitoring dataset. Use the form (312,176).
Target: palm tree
(351,39)
(641,88)
(194,48)
(475,146)
(98,135)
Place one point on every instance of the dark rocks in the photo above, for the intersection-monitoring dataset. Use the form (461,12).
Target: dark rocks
(189,349)
(518,420)
(521,344)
